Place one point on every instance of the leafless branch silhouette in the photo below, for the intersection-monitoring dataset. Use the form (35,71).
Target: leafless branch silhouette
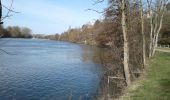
(9,11)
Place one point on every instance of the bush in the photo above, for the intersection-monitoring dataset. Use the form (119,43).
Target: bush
(164,41)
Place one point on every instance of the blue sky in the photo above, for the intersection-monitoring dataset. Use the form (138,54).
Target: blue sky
(52,16)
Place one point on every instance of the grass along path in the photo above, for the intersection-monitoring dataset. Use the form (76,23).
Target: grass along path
(155,85)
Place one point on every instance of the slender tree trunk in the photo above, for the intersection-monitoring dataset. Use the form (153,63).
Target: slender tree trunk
(157,33)
(142,31)
(160,8)
(152,28)
(151,35)
(0,12)
(1,16)
(126,47)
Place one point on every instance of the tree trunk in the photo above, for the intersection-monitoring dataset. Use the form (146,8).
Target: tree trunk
(157,33)
(126,47)
(151,35)
(160,8)
(0,12)
(143,35)
(152,28)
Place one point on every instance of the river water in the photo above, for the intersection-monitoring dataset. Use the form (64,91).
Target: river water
(47,70)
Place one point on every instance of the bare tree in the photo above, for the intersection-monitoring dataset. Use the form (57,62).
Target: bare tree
(1,13)
(9,11)
(125,47)
(3,17)
(156,14)
(122,4)
(142,31)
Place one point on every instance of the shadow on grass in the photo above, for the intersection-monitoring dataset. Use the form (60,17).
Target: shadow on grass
(165,86)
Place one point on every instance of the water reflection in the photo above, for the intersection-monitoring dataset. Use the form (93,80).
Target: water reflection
(111,65)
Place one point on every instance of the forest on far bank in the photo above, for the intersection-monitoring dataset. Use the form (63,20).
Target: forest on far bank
(97,33)
(15,32)
(101,31)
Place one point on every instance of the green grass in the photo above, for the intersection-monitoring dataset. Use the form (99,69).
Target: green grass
(156,83)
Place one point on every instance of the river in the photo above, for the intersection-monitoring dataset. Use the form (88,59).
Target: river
(47,70)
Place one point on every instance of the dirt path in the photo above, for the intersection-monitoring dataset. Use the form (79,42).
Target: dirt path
(163,50)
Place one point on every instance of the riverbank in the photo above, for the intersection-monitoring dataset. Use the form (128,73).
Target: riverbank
(155,83)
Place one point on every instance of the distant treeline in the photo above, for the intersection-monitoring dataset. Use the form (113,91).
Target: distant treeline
(101,32)
(15,32)
(92,33)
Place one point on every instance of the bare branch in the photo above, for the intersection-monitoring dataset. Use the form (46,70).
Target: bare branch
(9,11)
(96,10)
(6,52)
(97,2)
